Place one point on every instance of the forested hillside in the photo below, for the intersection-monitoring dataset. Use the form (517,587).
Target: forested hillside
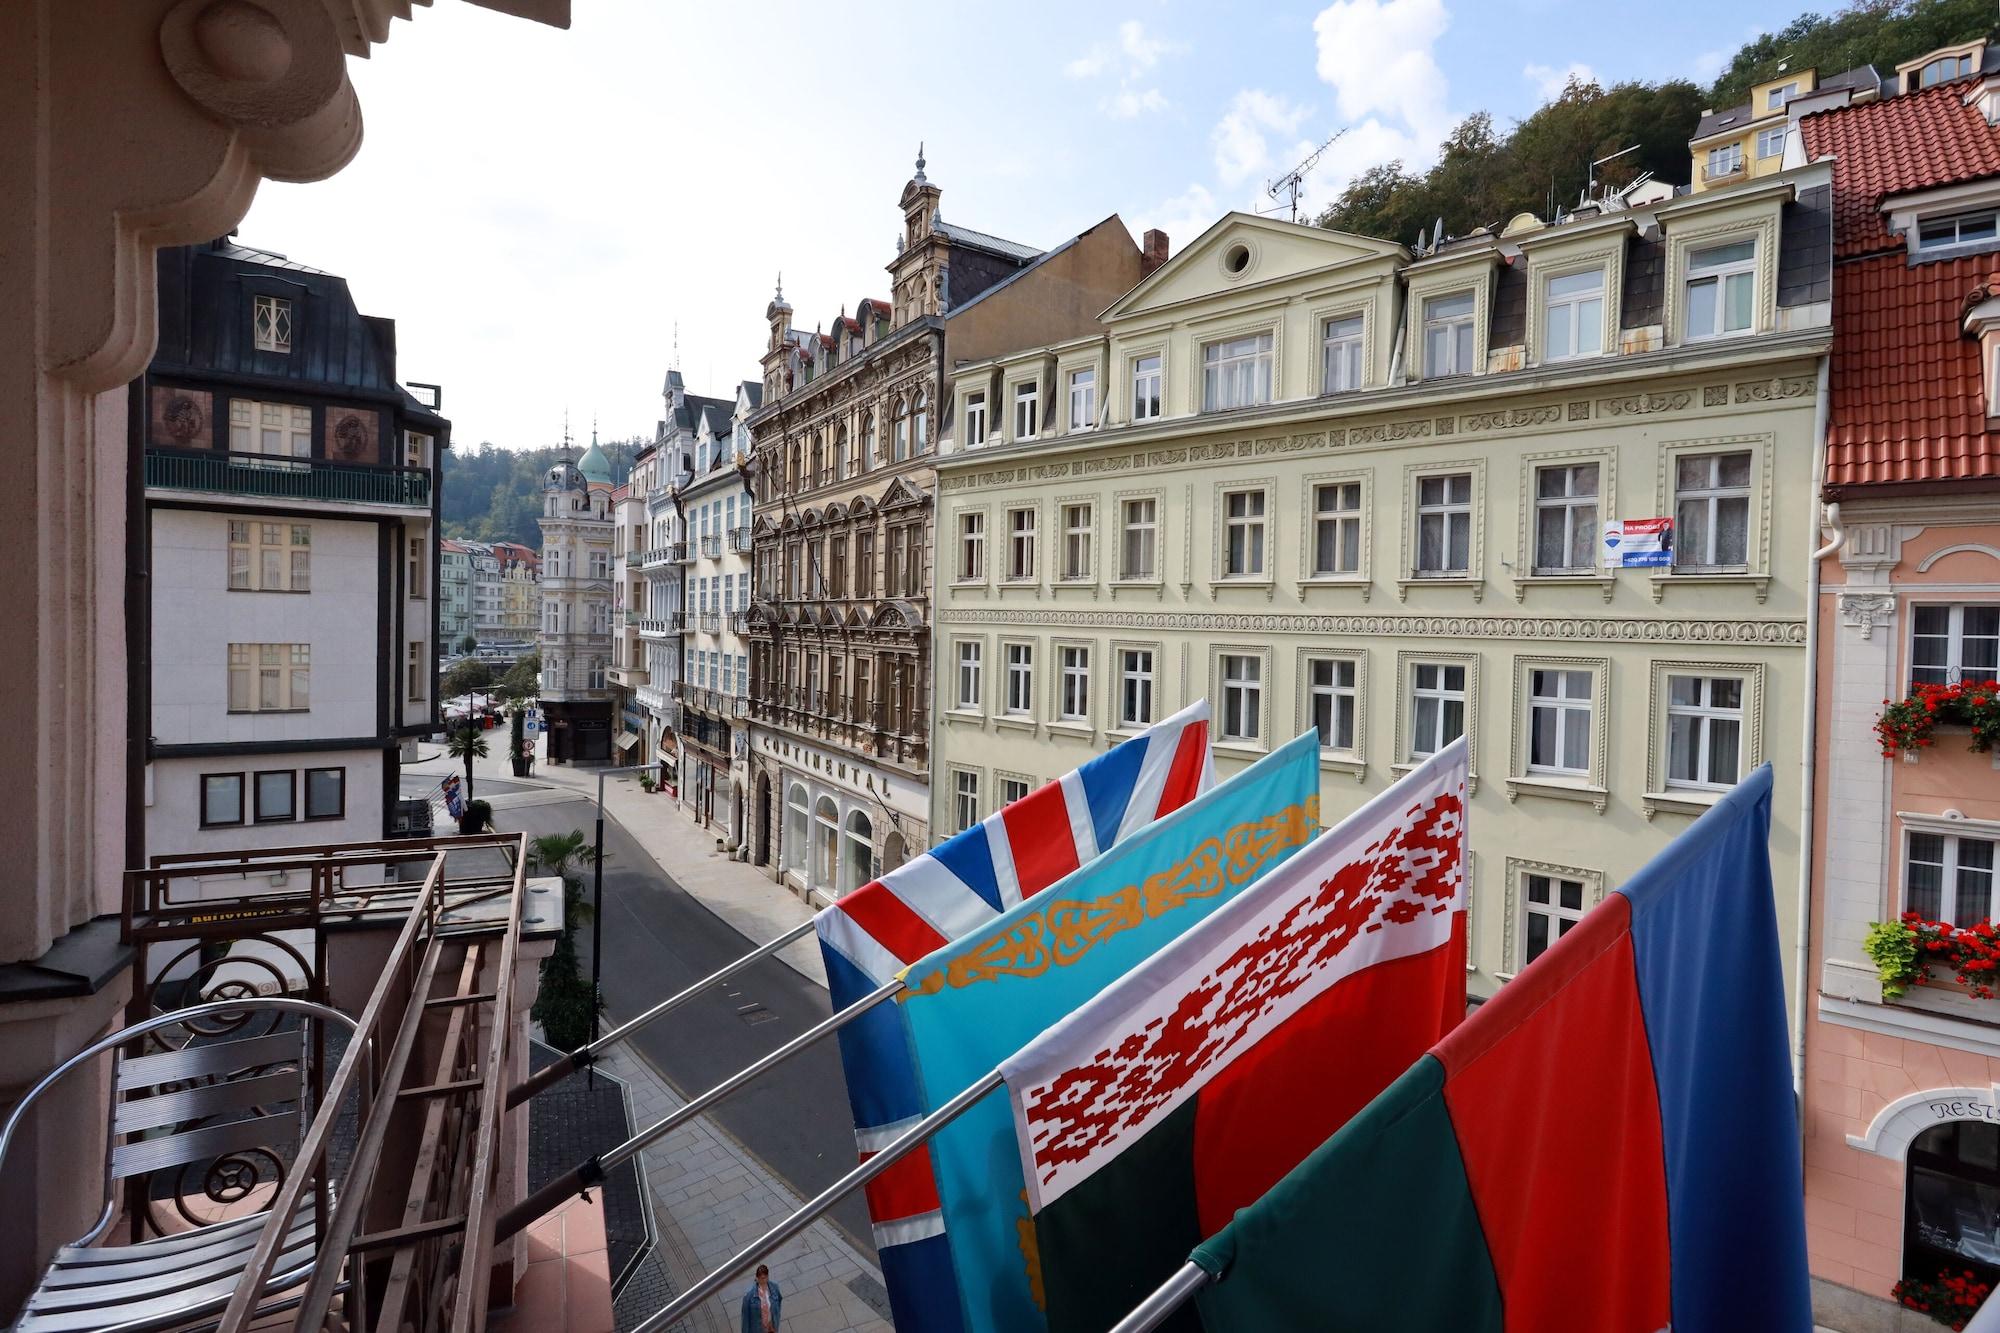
(1485,175)
(495,495)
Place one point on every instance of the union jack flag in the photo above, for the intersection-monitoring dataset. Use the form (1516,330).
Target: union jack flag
(873,933)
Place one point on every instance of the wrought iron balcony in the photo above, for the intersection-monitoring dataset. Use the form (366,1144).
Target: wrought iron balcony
(739,538)
(711,547)
(274,478)
(711,623)
(679,552)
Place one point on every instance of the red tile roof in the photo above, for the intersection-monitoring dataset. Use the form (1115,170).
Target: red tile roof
(1908,405)
(1917,141)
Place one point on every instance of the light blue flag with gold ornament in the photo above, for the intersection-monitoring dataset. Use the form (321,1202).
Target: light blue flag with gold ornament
(984,996)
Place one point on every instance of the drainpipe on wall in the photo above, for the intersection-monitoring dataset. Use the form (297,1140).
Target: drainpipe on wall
(1802,987)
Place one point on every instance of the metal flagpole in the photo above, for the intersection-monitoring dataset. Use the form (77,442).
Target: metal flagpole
(589,1051)
(897,1149)
(593,1170)
(1168,1297)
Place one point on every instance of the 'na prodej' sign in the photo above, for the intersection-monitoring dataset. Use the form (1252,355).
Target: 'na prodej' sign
(1637,542)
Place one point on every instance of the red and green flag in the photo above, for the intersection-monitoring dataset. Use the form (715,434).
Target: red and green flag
(1608,1144)
(1191,1085)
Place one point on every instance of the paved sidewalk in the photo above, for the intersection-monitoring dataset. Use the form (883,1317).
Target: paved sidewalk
(739,893)
(711,1197)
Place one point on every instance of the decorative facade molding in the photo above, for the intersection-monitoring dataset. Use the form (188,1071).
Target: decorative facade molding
(1589,629)
(1593,892)
(1865,610)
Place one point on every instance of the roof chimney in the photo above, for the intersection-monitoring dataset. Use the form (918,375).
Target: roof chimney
(1153,252)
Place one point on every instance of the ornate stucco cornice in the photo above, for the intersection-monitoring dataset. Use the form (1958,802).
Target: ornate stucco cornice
(1584,629)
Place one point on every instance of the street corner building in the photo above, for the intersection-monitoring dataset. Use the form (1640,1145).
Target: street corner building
(843,475)
(291,506)
(578,532)
(1338,482)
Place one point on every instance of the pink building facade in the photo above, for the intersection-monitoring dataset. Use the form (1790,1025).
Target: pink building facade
(1902,1092)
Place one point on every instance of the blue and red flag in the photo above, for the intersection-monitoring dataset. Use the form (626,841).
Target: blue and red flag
(873,933)
(1609,1143)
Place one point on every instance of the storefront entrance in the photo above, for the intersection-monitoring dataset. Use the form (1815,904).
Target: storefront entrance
(1952,1201)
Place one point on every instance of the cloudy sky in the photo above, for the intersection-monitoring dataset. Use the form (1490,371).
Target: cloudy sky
(540,211)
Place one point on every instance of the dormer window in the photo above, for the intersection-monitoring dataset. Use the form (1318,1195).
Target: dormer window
(271,322)
(1027,410)
(1775,99)
(1959,229)
(1942,70)
(1448,335)
(1340,355)
(1573,315)
(1721,289)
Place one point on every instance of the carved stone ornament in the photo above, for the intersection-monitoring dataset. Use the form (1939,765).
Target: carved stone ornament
(1865,610)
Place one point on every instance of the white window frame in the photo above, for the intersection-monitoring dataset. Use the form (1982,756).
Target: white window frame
(1242,696)
(1245,549)
(1951,866)
(1439,693)
(1078,534)
(975,419)
(1342,355)
(1013,787)
(1937,240)
(1444,510)
(293,541)
(1343,520)
(1018,679)
(1954,637)
(1138,677)
(1238,371)
(1724,159)
(1584,309)
(1083,399)
(969,676)
(972,546)
(1714,494)
(1567,710)
(1073,683)
(1776,98)
(964,798)
(1149,385)
(1568,505)
(1706,714)
(286,426)
(1561,919)
(1771,142)
(1463,331)
(271,323)
(1027,408)
(1333,692)
(1722,275)
(1021,544)
(1148,534)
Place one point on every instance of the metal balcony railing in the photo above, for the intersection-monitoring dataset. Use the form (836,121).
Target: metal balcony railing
(711,547)
(678,552)
(739,538)
(711,623)
(276,478)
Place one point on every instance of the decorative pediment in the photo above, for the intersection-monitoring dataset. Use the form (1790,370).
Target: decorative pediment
(790,523)
(836,513)
(763,526)
(809,518)
(897,614)
(1243,250)
(901,495)
(863,507)
(855,620)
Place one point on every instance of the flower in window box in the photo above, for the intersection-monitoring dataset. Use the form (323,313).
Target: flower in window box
(1906,725)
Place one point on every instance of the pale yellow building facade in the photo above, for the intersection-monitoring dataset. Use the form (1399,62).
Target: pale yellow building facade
(1325,482)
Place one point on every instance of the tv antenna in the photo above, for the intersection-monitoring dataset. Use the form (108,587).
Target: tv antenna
(1590,176)
(1288,188)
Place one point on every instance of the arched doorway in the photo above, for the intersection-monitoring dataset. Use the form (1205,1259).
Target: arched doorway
(894,851)
(1951,1201)
(763,851)
(859,851)
(794,846)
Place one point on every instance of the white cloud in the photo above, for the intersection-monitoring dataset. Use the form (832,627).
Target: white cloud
(1709,63)
(1240,138)
(1550,81)
(1131,57)
(1183,217)
(1376,54)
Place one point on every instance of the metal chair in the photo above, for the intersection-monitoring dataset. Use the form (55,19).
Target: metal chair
(228,1106)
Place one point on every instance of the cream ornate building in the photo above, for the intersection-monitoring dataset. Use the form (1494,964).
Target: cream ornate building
(1326,482)
(578,534)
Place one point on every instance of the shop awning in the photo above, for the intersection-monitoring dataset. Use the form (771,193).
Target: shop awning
(627,739)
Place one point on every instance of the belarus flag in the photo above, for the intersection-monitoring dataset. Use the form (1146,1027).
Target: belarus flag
(1192,1085)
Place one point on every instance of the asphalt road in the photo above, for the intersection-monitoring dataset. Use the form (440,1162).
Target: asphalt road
(658,940)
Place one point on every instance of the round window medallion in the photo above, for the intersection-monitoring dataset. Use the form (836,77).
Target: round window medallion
(1236,258)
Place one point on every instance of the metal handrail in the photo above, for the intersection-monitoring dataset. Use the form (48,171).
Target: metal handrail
(319,1137)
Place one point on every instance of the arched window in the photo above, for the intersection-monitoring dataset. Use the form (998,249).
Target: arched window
(795,829)
(818,473)
(1950,1201)
(866,458)
(902,431)
(920,422)
(826,846)
(840,452)
(792,468)
(893,852)
(860,852)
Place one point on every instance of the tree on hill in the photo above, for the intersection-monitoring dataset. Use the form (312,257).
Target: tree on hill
(1484,177)
(1882,33)
(495,495)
